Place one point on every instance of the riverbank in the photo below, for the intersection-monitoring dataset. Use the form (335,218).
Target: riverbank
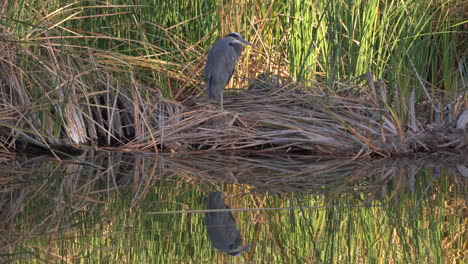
(277,116)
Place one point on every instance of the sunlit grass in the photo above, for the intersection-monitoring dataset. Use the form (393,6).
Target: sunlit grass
(77,67)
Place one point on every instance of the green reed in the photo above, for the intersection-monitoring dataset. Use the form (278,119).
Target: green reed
(68,54)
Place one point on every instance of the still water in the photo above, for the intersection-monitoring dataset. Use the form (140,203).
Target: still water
(123,208)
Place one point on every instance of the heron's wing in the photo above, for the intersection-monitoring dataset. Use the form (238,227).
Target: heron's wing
(232,72)
(221,62)
(230,213)
(214,201)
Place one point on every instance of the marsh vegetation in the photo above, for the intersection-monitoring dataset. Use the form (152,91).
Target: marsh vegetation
(129,76)
(318,148)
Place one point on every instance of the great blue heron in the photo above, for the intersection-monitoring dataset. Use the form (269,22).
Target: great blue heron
(221,227)
(221,62)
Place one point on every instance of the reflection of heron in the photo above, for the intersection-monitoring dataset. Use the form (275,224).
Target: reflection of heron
(222,60)
(221,227)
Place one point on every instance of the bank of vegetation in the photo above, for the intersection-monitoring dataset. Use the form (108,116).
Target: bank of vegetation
(330,77)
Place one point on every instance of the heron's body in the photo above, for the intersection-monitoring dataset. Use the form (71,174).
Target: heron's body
(221,62)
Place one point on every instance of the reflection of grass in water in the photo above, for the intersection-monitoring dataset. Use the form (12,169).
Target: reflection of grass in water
(81,217)
(397,230)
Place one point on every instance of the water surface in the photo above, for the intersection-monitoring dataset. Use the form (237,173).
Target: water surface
(125,208)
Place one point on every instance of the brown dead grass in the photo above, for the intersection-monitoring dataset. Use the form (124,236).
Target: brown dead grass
(274,116)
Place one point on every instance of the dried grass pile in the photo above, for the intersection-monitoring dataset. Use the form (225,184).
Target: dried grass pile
(101,109)
(286,117)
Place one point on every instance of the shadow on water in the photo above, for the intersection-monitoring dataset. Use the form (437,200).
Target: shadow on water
(172,209)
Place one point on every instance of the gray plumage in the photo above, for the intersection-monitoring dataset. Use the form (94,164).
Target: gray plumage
(222,60)
(221,227)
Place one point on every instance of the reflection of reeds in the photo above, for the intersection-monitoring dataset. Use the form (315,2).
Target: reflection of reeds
(40,197)
(55,195)
(301,174)
(274,174)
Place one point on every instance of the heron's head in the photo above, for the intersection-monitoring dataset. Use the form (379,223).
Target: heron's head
(238,39)
(237,251)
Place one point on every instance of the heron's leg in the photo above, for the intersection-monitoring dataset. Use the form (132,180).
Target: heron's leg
(222,102)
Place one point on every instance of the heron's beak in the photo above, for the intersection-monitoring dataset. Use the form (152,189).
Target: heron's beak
(247,247)
(247,43)
(242,249)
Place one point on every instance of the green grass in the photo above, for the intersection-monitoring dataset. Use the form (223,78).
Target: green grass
(64,61)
